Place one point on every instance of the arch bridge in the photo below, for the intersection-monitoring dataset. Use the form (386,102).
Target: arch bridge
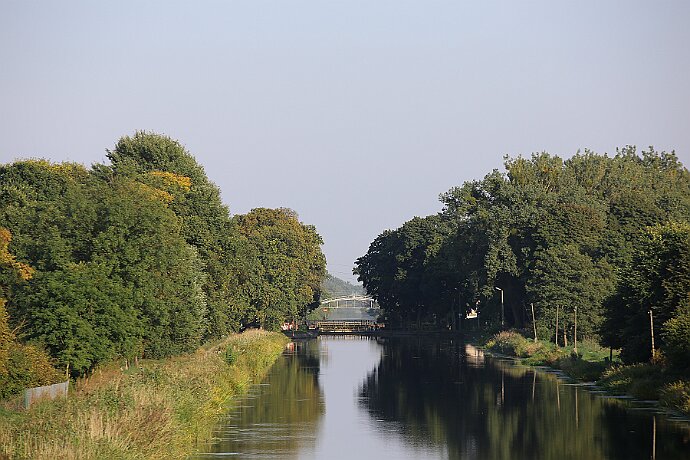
(348,301)
(346,314)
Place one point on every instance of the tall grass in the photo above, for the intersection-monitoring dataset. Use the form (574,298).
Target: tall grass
(158,409)
(650,381)
(643,381)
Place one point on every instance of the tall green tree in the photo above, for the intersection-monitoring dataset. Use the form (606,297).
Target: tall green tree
(286,278)
(657,280)
(550,232)
(165,165)
(21,365)
(113,272)
(141,258)
(400,270)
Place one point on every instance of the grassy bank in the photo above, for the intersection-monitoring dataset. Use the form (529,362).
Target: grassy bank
(158,409)
(592,364)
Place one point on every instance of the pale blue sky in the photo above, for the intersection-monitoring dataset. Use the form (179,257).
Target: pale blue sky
(356,114)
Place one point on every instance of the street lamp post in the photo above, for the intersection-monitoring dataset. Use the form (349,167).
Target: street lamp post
(454,317)
(502,311)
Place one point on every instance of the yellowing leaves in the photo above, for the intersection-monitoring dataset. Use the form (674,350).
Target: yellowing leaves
(72,171)
(672,228)
(172,179)
(164,186)
(24,271)
(154,193)
(139,189)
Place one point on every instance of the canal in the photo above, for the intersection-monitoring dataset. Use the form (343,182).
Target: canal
(349,397)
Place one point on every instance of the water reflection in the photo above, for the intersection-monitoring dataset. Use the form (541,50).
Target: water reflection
(280,416)
(447,394)
(409,398)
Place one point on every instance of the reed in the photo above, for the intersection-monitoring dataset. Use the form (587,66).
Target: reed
(157,409)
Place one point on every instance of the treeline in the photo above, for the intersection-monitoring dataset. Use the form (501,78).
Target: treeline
(606,237)
(333,286)
(140,258)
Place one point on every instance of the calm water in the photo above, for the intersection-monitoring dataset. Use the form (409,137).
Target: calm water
(361,398)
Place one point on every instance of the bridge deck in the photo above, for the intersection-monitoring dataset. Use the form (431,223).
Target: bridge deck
(344,325)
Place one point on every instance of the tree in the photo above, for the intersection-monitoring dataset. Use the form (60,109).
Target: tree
(563,277)
(657,280)
(549,231)
(165,165)
(285,282)
(21,366)
(114,277)
(141,258)
(403,272)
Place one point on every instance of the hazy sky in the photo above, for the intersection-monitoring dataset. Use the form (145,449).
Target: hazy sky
(356,114)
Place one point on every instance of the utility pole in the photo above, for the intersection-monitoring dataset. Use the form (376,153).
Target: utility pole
(575,329)
(651,329)
(534,324)
(502,312)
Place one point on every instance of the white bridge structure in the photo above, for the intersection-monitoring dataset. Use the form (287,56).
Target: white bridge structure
(348,301)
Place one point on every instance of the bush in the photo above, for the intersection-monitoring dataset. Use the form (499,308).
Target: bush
(26,367)
(508,342)
(6,337)
(21,366)
(513,343)
(676,335)
(677,396)
(580,369)
(547,354)
(643,381)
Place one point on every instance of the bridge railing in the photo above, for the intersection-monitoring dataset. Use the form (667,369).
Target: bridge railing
(345,325)
(348,299)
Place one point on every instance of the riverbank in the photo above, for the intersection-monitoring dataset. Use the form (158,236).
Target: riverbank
(644,381)
(158,409)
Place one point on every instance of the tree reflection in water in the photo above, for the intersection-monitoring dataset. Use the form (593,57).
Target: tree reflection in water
(426,398)
(281,415)
(447,394)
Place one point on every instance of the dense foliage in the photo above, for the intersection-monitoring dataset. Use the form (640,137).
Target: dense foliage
(604,236)
(657,281)
(140,258)
(21,366)
(289,265)
(165,165)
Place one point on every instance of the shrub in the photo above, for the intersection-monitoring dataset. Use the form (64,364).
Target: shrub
(676,335)
(6,338)
(27,367)
(21,366)
(508,342)
(513,343)
(581,369)
(643,381)
(676,395)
